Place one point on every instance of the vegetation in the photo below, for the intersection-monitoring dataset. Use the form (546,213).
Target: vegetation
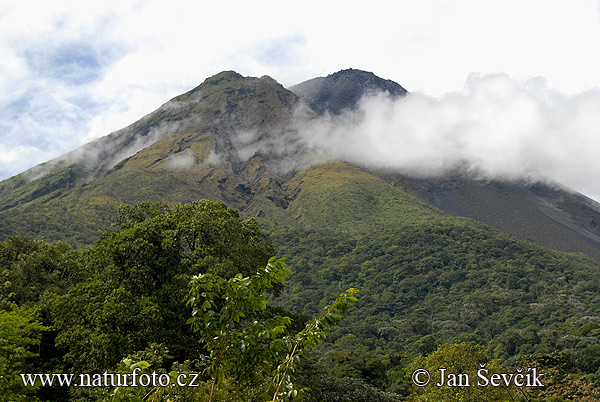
(109,292)
(430,284)
(19,334)
(120,306)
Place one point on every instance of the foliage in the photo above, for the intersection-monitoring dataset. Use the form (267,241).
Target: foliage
(245,353)
(151,357)
(18,332)
(562,382)
(422,284)
(429,284)
(28,268)
(463,361)
(218,305)
(326,387)
(139,274)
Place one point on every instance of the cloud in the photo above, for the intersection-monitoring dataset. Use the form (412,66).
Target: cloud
(71,71)
(52,61)
(182,160)
(17,157)
(497,128)
(214,159)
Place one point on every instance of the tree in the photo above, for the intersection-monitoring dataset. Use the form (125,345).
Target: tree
(462,362)
(18,333)
(250,354)
(136,294)
(28,268)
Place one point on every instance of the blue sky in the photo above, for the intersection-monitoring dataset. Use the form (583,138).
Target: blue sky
(74,71)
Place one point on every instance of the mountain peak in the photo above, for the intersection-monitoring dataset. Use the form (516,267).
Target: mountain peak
(223,76)
(343,90)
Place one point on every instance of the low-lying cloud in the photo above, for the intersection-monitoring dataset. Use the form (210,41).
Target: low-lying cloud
(497,128)
(100,155)
(182,160)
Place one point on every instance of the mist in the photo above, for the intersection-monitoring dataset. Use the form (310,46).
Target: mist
(104,153)
(496,128)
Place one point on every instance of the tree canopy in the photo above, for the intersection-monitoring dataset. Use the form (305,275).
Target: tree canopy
(139,275)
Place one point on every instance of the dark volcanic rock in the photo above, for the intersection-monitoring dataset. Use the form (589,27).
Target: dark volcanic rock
(343,90)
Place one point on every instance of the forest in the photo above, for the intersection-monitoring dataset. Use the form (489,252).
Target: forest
(195,290)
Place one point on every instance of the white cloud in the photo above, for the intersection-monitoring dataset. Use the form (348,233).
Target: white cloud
(182,160)
(497,127)
(72,71)
(18,157)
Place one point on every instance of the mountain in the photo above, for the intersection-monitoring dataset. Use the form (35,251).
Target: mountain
(232,138)
(342,90)
(222,141)
(436,260)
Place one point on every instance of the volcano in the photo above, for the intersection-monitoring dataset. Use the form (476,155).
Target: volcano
(234,139)
(510,264)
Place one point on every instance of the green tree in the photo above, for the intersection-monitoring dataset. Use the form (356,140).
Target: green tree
(253,354)
(19,332)
(29,268)
(140,273)
(247,355)
(462,360)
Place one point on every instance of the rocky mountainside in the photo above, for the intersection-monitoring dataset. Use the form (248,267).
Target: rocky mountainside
(546,213)
(234,139)
(343,90)
(436,260)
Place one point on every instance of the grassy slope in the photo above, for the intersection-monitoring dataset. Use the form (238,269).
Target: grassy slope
(342,197)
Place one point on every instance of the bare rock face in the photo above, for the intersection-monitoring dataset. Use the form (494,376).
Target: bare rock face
(343,90)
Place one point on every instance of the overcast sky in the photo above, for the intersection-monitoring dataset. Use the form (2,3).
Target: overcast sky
(71,71)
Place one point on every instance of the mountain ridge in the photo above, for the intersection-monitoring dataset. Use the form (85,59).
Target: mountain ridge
(430,269)
(231,139)
(343,90)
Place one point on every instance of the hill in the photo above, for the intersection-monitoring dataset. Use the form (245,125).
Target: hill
(436,260)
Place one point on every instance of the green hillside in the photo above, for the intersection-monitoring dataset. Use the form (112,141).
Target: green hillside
(426,284)
(75,197)
(110,286)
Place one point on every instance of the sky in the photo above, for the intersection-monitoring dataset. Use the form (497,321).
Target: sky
(488,73)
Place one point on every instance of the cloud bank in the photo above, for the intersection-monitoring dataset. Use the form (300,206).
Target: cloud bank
(497,128)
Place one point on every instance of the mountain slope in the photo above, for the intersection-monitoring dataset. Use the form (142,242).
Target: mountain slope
(187,140)
(544,212)
(219,141)
(426,271)
(343,90)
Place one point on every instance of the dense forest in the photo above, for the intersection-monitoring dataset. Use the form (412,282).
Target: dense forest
(194,289)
